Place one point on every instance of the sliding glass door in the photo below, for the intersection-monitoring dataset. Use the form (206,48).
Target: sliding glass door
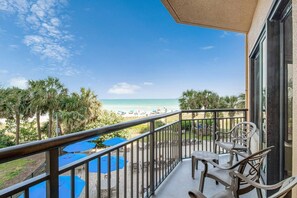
(259,92)
(287,89)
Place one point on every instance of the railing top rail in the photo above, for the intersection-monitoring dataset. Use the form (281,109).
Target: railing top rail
(212,110)
(23,150)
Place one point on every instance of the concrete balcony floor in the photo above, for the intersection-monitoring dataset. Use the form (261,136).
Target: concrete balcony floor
(180,181)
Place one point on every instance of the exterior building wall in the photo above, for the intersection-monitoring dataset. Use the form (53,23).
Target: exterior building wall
(258,22)
(294,144)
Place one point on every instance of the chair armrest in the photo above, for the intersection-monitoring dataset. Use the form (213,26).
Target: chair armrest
(258,185)
(218,165)
(244,155)
(217,134)
(238,138)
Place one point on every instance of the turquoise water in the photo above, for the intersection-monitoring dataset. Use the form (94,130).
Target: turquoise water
(140,105)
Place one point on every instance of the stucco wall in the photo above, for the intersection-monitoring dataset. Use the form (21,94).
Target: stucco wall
(294,14)
(258,22)
(259,19)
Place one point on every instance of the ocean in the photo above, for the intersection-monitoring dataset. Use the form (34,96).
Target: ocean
(140,107)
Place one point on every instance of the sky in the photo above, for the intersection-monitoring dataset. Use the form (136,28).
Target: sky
(118,48)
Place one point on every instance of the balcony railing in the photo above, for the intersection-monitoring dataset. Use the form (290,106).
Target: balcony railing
(149,158)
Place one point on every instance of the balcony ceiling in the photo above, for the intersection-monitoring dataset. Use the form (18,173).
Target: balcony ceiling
(232,15)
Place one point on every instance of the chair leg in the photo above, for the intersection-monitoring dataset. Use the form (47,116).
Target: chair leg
(259,193)
(193,167)
(216,161)
(231,158)
(203,175)
(202,180)
(236,157)
(196,164)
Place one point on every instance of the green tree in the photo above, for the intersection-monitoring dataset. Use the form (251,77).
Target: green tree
(210,99)
(92,105)
(54,91)
(38,102)
(190,99)
(71,113)
(15,106)
(241,101)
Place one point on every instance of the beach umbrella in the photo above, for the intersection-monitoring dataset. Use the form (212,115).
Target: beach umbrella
(114,141)
(93,165)
(70,157)
(39,190)
(92,139)
(79,147)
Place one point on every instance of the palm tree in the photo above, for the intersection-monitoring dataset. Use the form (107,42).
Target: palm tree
(91,104)
(241,101)
(231,103)
(190,99)
(54,90)
(71,112)
(15,106)
(38,101)
(210,100)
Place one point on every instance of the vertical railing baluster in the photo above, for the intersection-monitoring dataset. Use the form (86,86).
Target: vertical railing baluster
(142,169)
(180,136)
(170,147)
(87,179)
(165,152)
(52,169)
(138,164)
(26,194)
(152,157)
(160,149)
(131,176)
(118,173)
(148,166)
(72,173)
(214,131)
(99,176)
(125,172)
(108,174)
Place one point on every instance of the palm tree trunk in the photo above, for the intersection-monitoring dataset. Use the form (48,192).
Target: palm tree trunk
(60,127)
(50,123)
(38,124)
(17,134)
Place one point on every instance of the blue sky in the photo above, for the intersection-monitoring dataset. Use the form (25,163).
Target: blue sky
(119,49)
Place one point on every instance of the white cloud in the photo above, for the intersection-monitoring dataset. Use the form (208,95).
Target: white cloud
(225,33)
(207,47)
(123,88)
(47,37)
(19,82)
(239,34)
(3,71)
(13,47)
(148,83)
(46,48)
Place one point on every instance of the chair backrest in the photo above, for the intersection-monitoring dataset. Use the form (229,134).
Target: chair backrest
(244,131)
(250,168)
(286,188)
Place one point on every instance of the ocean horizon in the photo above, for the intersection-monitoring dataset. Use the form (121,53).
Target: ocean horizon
(140,106)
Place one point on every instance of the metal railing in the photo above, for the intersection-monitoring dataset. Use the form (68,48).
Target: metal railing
(149,158)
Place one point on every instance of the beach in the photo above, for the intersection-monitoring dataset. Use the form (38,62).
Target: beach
(140,107)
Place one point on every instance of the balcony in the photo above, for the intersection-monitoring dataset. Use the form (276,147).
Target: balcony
(157,162)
